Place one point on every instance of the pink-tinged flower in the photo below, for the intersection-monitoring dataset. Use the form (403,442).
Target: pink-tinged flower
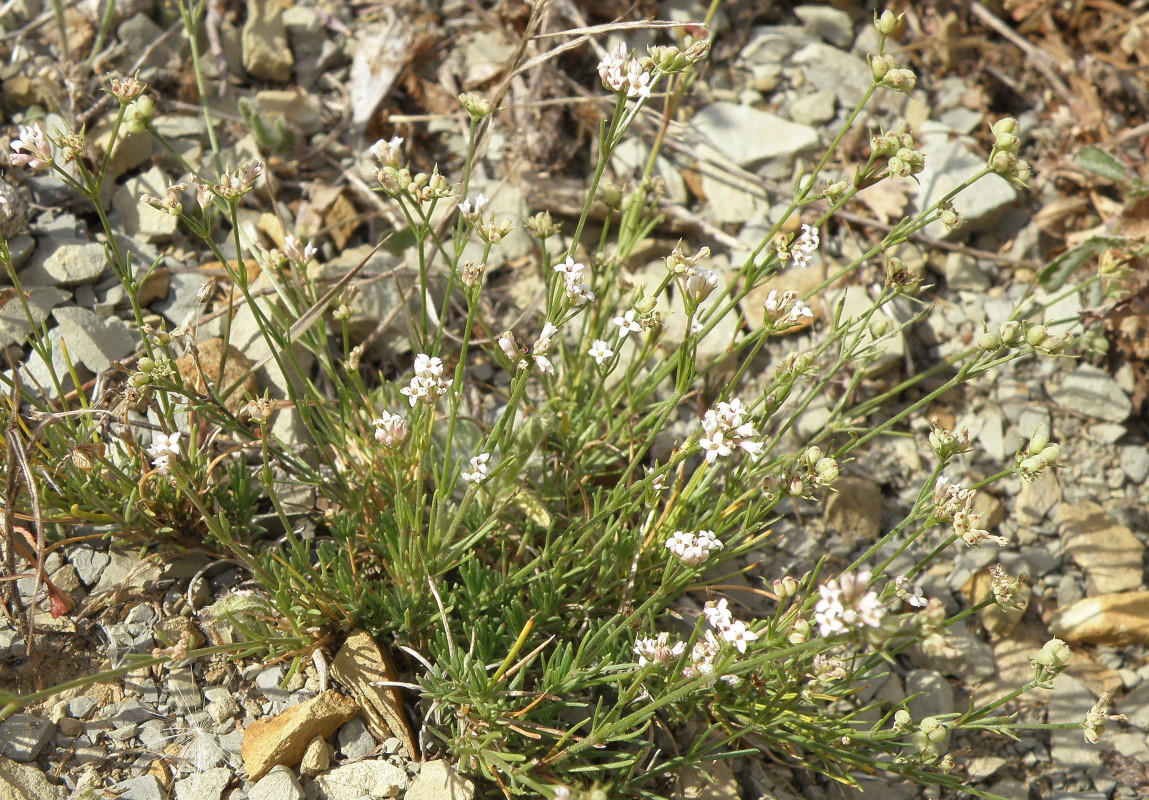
(165,444)
(296,251)
(387,152)
(610,69)
(637,80)
(428,385)
(390,429)
(31,149)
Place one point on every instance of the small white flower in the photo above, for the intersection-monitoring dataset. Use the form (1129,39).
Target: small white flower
(718,614)
(544,364)
(637,80)
(846,604)
(386,152)
(627,324)
(570,267)
(715,446)
(600,352)
(738,635)
(472,211)
(479,469)
(699,283)
(165,445)
(162,464)
(428,385)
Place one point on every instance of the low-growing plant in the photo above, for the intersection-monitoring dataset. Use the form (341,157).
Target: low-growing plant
(555,552)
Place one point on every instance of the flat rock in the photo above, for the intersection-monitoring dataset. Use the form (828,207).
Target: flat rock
(832,24)
(145,787)
(1093,392)
(737,132)
(206,785)
(282,739)
(23,736)
(22,782)
(827,68)
(92,340)
(266,54)
(279,784)
(950,163)
(1106,550)
(64,262)
(1115,619)
(1067,702)
(854,510)
(438,780)
(141,220)
(353,781)
(236,370)
(16,325)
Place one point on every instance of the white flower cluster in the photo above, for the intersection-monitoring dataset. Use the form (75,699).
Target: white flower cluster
(956,504)
(390,429)
(693,549)
(776,308)
(909,592)
(657,650)
(572,272)
(732,631)
(542,346)
(846,603)
(619,74)
(162,449)
(472,210)
(725,430)
(479,469)
(802,248)
(428,384)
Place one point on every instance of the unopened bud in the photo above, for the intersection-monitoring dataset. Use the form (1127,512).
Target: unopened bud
(476,105)
(887,23)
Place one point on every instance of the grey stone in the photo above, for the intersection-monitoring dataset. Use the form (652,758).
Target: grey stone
(438,780)
(816,108)
(154,734)
(266,54)
(145,787)
(1092,392)
(23,736)
(93,341)
(13,210)
(89,561)
(64,262)
(948,164)
(223,708)
(355,741)
(206,785)
(136,34)
(16,326)
(1135,463)
(729,199)
(963,272)
(1106,432)
(773,44)
(80,707)
(296,108)
(279,784)
(181,306)
(352,781)
(1068,701)
(832,24)
(128,712)
(827,68)
(736,131)
(22,782)
(309,41)
(140,219)
(935,695)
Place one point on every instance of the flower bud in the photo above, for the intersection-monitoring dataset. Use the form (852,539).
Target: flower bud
(826,471)
(1010,332)
(1005,125)
(1036,335)
(787,587)
(697,51)
(1002,161)
(988,341)
(542,226)
(887,23)
(138,115)
(476,105)
(1038,441)
(880,67)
